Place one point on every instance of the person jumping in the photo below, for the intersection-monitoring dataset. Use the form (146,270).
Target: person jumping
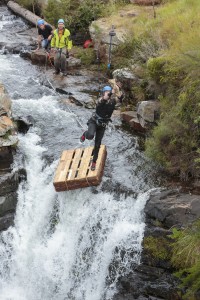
(100,119)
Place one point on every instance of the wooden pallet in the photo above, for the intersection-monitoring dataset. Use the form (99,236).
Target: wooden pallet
(73,171)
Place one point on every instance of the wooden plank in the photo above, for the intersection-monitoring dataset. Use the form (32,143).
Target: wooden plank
(75,163)
(63,166)
(78,162)
(87,155)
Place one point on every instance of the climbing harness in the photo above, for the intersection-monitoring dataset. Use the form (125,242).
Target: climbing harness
(112,33)
(101,121)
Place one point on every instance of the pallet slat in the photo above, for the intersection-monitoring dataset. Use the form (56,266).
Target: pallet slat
(73,171)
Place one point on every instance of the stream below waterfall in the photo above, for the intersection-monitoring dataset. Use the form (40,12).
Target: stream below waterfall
(69,245)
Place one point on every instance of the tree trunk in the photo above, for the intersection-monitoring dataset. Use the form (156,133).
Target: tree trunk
(24,13)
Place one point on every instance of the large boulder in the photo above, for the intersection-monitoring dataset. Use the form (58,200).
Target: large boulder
(172,208)
(148,113)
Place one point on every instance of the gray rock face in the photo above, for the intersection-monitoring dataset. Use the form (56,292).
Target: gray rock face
(148,112)
(144,117)
(147,280)
(8,183)
(6,221)
(8,198)
(8,204)
(172,208)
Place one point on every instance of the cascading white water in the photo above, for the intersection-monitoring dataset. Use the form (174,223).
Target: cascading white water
(71,245)
(62,245)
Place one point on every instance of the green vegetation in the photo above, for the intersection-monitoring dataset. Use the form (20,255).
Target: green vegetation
(77,14)
(33,5)
(186,259)
(87,56)
(158,247)
(168,50)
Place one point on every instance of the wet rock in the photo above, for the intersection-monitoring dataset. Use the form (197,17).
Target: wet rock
(6,221)
(6,159)
(8,183)
(62,91)
(172,208)
(75,101)
(25,54)
(147,280)
(24,123)
(8,204)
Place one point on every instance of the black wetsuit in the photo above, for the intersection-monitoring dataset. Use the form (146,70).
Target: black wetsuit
(46,32)
(97,123)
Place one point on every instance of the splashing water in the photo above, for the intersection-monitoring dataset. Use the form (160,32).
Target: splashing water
(62,245)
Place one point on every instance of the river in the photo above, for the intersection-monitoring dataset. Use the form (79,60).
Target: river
(70,245)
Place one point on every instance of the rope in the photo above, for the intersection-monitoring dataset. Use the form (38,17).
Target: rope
(75,115)
(66,184)
(87,181)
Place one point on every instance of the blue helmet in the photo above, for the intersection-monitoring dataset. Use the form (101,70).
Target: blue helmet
(107,88)
(40,22)
(61,21)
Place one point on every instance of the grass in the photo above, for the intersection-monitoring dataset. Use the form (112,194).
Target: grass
(186,258)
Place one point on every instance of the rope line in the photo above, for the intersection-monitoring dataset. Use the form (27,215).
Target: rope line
(75,115)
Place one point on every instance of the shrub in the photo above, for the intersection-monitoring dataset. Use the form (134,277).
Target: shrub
(87,56)
(77,14)
(186,258)
(35,5)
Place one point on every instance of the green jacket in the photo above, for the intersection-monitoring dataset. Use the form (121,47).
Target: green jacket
(65,40)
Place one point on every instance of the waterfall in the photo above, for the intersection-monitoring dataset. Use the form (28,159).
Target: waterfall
(63,244)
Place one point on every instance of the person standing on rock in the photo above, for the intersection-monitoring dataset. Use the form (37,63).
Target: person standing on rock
(100,119)
(61,44)
(45,33)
